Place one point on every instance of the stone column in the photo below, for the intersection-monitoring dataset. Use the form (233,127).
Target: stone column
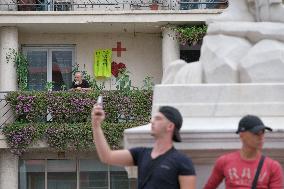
(8,170)
(8,41)
(170,47)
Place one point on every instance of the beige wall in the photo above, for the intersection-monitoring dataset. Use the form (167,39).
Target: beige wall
(143,56)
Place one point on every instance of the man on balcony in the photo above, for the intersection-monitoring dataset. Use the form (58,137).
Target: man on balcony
(79,83)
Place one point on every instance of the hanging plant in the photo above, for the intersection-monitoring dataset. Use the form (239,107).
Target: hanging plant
(21,64)
(20,136)
(189,35)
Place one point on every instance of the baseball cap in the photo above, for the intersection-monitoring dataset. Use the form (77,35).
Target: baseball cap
(173,115)
(252,124)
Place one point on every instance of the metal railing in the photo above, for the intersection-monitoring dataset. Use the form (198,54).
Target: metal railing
(6,113)
(81,5)
(203,4)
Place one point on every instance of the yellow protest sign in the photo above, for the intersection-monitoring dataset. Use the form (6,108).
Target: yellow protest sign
(102,63)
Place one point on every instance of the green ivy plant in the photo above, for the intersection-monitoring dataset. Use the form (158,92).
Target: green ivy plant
(48,85)
(123,81)
(63,87)
(148,83)
(21,64)
(188,34)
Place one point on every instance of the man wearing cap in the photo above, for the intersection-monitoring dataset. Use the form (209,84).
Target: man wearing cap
(160,167)
(239,168)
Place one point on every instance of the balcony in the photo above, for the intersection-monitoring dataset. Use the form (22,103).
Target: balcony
(43,114)
(109,5)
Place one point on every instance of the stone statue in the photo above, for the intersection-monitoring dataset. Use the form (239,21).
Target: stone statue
(253,10)
(245,44)
(267,10)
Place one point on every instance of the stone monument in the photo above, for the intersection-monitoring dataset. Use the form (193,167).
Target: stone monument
(245,44)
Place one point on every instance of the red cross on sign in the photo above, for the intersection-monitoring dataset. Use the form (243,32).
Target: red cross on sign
(118,49)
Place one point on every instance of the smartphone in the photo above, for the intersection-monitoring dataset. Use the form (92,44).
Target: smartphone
(100,100)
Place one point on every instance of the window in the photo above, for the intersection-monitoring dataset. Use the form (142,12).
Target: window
(61,174)
(71,174)
(190,53)
(93,174)
(49,64)
(117,178)
(31,174)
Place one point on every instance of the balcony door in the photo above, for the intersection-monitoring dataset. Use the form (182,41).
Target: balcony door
(49,66)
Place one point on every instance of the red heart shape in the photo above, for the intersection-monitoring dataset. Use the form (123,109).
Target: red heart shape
(121,65)
(114,69)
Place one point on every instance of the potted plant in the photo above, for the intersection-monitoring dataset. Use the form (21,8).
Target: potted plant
(189,34)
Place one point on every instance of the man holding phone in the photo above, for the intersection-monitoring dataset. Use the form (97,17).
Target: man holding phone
(159,167)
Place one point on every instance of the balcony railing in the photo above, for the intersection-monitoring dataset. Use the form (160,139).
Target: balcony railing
(6,114)
(87,5)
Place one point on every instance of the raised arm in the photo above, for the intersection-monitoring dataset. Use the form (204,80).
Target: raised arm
(106,155)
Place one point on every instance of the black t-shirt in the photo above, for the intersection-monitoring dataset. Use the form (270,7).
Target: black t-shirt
(84,84)
(165,175)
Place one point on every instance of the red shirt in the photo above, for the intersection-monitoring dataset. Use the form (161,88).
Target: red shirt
(239,173)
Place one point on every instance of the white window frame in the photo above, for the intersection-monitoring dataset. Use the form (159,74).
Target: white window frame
(49,49)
